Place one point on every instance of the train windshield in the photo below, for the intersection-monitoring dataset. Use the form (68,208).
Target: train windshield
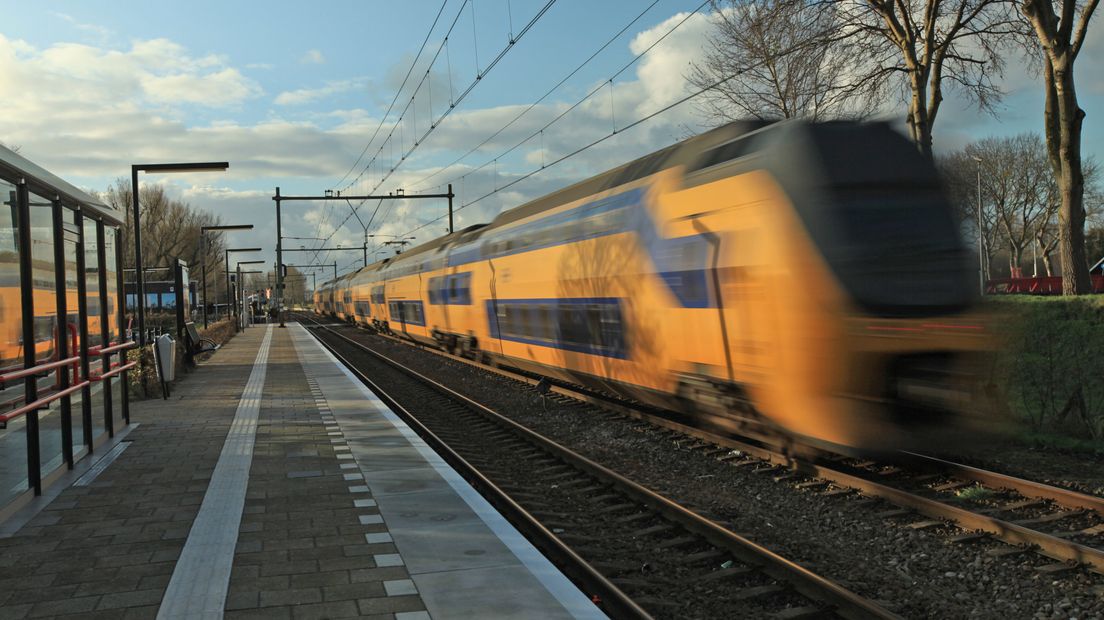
(885,225)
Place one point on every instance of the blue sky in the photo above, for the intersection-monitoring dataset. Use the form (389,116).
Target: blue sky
(290,94)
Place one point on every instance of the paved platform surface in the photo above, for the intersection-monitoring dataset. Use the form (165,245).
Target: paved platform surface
(273,485)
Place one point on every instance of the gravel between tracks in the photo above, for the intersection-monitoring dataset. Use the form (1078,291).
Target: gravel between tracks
(917,573)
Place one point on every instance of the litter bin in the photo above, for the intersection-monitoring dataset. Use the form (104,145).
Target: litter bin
(165,351)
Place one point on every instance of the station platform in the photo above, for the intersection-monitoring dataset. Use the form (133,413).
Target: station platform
(272,484)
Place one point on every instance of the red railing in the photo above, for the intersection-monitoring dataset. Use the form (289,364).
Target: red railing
(40,403)
(112,348)
(116,371)
(36,370)
(42,369)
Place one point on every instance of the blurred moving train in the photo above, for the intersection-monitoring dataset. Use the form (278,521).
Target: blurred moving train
(798,281)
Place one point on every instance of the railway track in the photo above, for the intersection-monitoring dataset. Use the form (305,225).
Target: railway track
(641,554)
(1059,523)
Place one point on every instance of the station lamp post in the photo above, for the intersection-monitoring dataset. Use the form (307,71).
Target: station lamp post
(203,244)
(140,284)
(227,259)
(981,231)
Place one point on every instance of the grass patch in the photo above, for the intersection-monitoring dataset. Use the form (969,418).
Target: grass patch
(1064,443)
(975,493)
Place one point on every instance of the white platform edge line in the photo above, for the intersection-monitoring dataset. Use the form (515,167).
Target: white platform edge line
(201,578)
(557,584)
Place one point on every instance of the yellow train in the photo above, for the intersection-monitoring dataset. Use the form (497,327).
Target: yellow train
(798,281)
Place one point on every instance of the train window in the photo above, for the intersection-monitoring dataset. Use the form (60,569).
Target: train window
(434,291)
(507,325)
(547,330)
(525,320)
(460,289)
(573,327)
(611,332)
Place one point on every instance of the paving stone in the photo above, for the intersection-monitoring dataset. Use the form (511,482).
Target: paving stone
(261,613)
(333,609)
(64,606)
(389,604)
(131,599)
(297,596)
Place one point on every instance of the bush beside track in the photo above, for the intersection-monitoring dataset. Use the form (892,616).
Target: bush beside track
(1050,367)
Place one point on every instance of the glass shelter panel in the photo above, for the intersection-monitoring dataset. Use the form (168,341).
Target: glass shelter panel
(112,317)
(47,327)
(13,442)
(95,317)
(72,309)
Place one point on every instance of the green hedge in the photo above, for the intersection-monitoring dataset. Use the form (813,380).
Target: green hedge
(1050,365)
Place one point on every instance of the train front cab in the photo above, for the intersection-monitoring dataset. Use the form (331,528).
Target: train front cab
(846,295)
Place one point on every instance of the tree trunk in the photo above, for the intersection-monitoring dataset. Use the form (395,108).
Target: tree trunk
(1015,258)
(1064,138)
(918,122)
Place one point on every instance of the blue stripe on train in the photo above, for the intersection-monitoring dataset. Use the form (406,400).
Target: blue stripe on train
(612,332)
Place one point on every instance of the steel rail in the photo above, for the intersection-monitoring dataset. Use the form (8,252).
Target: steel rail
(845,603)
(1028,488)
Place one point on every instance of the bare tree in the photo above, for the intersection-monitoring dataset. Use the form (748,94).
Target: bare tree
(1049,235)
(785,62)
(960,173)
(170,230)
(1060,35)
(1019,196)
(919,46)
(1016,183)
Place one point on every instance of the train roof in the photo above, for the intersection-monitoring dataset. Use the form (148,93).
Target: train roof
(712,147)
(680,153)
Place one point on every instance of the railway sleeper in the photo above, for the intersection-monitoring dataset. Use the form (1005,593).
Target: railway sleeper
(614,567)
(677,542)
(654,530)
(701,556)
(758,591)
(618,508)
(727,573)
(640,516)
(801,613)
(1021,505)
(1051,518)
(601,499)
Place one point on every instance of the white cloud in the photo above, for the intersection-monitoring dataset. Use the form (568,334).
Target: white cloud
(313,57)
(100,33)
(310,95)
(158,71)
